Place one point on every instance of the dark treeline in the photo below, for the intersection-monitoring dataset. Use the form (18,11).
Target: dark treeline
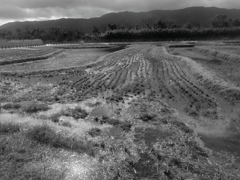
(171,34)
(150,30)
(53,34)
(167,30)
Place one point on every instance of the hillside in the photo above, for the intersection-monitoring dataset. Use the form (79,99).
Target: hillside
(200,15)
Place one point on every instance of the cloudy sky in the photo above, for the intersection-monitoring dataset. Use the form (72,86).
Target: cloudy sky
(20,10)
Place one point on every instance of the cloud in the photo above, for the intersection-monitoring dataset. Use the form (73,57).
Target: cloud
(49,9)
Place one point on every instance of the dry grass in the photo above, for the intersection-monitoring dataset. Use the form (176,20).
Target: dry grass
(35,107)
(145,141)
(209,79)
(46,135)
(26,155)
(9,128)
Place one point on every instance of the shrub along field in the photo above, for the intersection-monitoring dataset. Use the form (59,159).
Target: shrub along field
(174,34)
(143,112)
(4,44)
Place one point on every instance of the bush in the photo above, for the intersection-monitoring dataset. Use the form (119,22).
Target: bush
(108,120)
(9,128)
(77,113)
(126,126)
(147,117)
(66,124)
(35,107)
(95,132)
(11,106)
(183,127)
(55,117)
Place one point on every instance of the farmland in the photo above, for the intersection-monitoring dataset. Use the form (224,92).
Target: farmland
(56,58)
(146,111)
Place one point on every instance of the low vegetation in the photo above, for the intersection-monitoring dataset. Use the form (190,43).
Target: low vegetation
(46,135)
(9,128)
(20,43)
(171,34)
(35,107)
(141,126)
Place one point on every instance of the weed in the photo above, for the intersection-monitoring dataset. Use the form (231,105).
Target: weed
(11,106)
(126,126)
(97,103)
(77,113)
(35,107)
(197,149)
(66,124)
(147,117)
(108,120)
(94,132)
(46,135)
(55,117)
(182,126)
(19,156)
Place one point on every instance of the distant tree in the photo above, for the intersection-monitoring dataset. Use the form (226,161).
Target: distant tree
(236,23)
(161,24)
(220,20)
(112,27)
(171,23)
(18,30)
(137,27)
(27,28)
(149,23)
(187,25)
(195,25)
(95,31)
(122,27)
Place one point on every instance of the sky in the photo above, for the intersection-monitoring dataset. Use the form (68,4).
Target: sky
(22,10)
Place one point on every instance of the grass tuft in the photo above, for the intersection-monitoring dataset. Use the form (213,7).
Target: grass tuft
(9,128)
(11,106)
(147,117)
(95,132)
(46,135)
(35,107)
(77,113)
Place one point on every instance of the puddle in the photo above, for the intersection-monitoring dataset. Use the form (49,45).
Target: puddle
(100,112)
(229,144)
(151,135)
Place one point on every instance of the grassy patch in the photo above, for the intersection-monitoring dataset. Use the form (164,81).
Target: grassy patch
(66,124)
(55,117)
(9,128)
(48,136)
(77,113)
(94,132)
(9,106)
(126,126)
(147,117)
(35,107)
(24,159)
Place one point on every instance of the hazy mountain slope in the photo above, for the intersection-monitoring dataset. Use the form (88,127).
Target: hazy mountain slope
(200,15)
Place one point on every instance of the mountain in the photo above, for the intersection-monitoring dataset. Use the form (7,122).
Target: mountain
(202,15)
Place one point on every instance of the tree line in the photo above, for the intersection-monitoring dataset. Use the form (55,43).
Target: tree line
(150,29)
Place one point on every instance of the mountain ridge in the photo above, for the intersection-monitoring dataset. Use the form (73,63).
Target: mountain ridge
(128,19)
